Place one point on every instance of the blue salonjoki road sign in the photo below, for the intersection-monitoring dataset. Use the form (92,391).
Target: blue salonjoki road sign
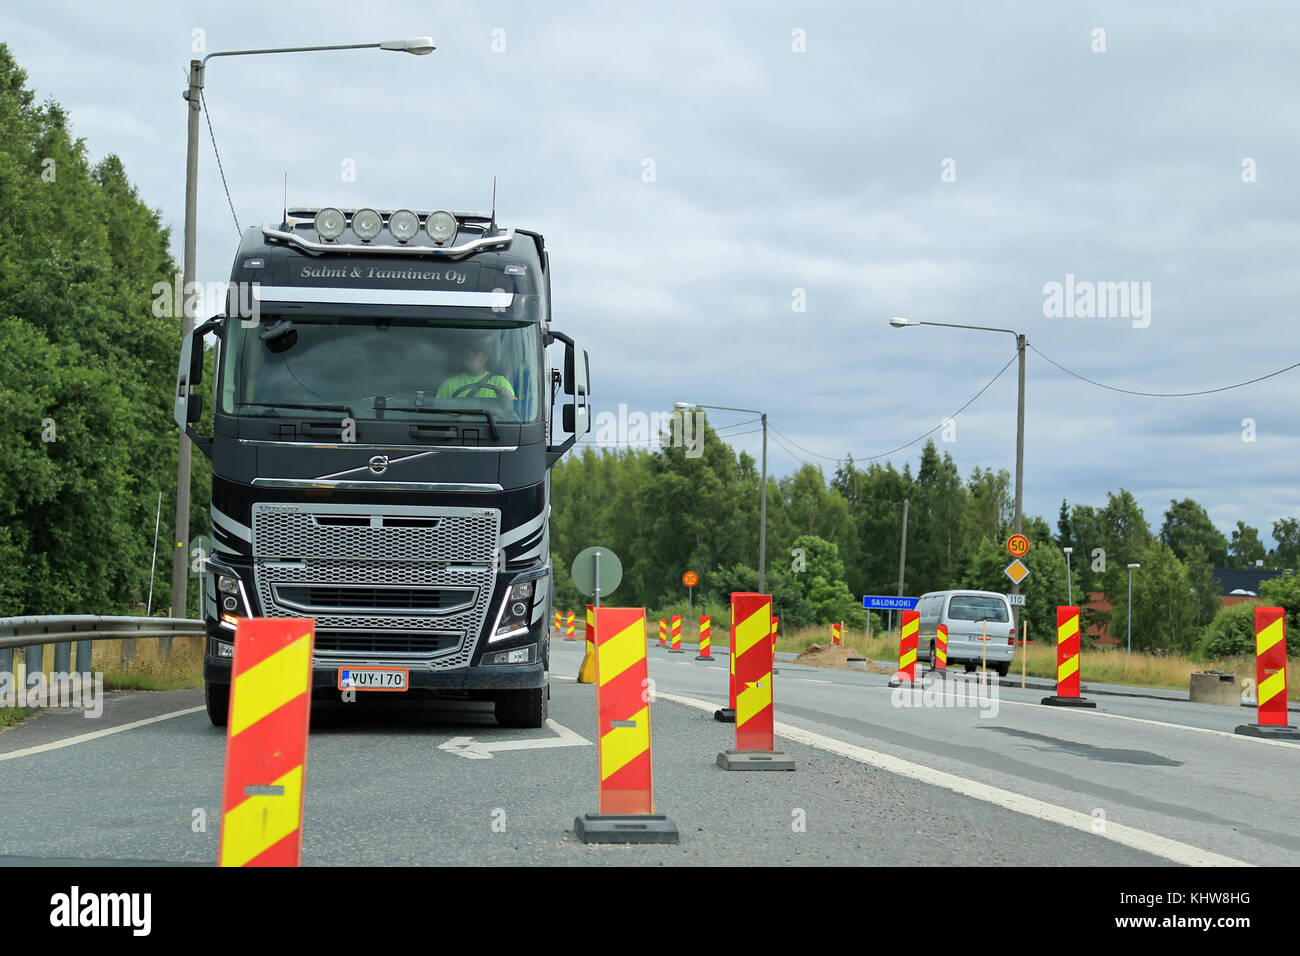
(874,603)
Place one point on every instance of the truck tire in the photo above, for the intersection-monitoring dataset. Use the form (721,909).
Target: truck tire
(217,699)
(522,708)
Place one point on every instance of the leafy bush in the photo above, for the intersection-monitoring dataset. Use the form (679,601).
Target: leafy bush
(1231,633)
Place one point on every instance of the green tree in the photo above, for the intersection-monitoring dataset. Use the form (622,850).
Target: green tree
(1186,526)
(1245,548)
(1164,614)
(1286,532)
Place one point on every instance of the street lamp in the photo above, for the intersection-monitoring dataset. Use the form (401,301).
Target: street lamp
(419,46)
(1131,568)
(762,519)
(1069,581)
(899,322)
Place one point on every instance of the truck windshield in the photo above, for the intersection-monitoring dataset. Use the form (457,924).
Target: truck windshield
(381,368)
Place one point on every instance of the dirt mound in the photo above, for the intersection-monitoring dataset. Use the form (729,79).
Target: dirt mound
(825,655)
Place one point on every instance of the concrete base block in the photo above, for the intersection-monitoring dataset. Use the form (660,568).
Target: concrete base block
(1270,731)
(1068,702)
(904,683)
(755,760)
(675,650)
(701,657)
(625,828)
(725,715)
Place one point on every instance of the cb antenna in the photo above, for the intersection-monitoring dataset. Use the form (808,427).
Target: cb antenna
(284,227)
(493,224)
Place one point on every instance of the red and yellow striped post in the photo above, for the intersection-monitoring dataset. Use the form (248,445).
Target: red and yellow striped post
(1067,660)
(266,742)
(626,782)
(776,623)
(663,632)
(587,669)
(727,715)
(705,641)
(908,638)
(558,625)
(570,621)
(835,634)
(1270,677)
(941,647)
(677,635)
(751,649)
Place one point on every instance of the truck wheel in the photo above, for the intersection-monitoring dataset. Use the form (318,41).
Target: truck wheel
(217,698)
(522,708)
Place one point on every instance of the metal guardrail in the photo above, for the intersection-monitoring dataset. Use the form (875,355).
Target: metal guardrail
(56,628)
(34,632)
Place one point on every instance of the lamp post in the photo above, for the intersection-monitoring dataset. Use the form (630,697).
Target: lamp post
(762,507)
(1131,568)
(1069,579)
(418,46)
(899,322)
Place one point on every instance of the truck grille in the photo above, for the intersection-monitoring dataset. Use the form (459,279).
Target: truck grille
(398,583)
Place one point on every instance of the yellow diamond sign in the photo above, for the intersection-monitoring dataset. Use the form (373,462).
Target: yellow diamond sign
(1016,571)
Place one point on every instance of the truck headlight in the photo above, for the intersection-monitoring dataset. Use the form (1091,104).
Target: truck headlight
(512,620)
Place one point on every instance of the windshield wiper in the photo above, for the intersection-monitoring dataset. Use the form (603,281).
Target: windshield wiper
(492,422)
(322,408)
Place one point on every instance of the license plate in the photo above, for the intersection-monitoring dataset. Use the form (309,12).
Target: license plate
(374,678)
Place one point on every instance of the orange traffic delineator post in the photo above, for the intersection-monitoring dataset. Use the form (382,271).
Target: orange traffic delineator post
(908,638)
(663,632)
(1067,660)
(587,669)
(677,635)
(626,783)
(751,649)
(705,640)
(1270,677)
(941,647)
(266,742)
(569,636)
(835,634)
(558,625)
(727,715)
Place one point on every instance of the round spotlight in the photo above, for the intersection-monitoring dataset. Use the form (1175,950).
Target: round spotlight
(330,223)
(441,227)
(366,224)
(403,224)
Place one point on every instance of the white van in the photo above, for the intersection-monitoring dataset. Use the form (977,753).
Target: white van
(967,614)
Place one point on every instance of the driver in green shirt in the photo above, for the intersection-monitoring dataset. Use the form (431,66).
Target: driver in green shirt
(477,382)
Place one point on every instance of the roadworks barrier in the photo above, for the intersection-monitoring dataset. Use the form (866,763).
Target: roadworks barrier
(663,632)
(836,631)
(1067,660)
(266,742)
(677,635)
(727,715)
(751,650)
(626,789)
(908,638)
(705,640)
(569,636)
(941,647)
(1270,677)
(587,669)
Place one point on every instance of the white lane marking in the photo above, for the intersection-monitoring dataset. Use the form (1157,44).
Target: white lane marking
(483,750)
(1154,723)
(1183,853)
(96,734)
(810,680)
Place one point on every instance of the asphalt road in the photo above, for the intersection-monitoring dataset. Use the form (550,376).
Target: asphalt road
(1136,782)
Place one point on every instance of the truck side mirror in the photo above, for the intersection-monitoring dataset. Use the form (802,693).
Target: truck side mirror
(188,408)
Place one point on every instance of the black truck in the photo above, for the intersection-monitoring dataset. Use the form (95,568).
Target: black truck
(382,438)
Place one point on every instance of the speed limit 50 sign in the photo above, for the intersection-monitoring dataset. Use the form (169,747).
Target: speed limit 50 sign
(1017,545)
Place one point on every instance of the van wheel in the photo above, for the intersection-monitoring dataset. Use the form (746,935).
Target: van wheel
(934,656)
(522,708)
(1002,669)
(217,699)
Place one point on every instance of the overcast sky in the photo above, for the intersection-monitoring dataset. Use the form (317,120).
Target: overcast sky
(939,161)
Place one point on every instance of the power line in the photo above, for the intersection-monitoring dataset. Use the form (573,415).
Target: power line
(1129,391)
(885,454)
(208,118)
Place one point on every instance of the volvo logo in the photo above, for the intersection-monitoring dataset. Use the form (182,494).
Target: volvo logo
(378,465)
